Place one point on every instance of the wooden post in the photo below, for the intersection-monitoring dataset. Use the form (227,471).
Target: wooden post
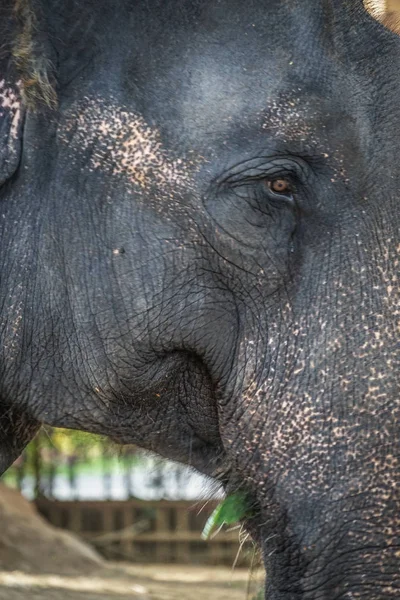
(108,517)
(182,525)
(162,526)
(54,514)
(75,518)
(36,460)
(214,552)
(126,545)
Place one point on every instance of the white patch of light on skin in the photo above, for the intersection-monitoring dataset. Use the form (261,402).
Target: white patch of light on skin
(291,118)
(10,102)
(123,144)
(288,116)
(12,331)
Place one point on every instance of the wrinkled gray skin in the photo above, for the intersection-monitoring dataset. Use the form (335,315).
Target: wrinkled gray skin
(159,287)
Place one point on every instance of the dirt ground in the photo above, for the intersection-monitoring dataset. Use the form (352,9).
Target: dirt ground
(136,582)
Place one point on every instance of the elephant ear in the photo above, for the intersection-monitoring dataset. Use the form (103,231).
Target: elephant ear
(16,427)
(27,75)
(11,122)
(11,112)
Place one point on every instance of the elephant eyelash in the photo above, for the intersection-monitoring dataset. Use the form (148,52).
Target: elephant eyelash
(291,169)
(269,180)
(265,185)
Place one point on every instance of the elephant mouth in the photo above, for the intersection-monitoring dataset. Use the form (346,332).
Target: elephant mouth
(253,521)
(171,409)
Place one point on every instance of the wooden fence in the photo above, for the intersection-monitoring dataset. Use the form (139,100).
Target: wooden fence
(144,532)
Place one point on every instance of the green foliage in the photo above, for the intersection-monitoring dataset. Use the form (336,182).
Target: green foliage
(234,508)
(58,450)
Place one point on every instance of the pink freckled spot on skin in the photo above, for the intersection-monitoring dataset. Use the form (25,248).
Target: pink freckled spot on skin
(10,104)
(15,124)
(123,143)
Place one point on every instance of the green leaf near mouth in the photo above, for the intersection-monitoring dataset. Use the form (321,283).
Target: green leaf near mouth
(234,508)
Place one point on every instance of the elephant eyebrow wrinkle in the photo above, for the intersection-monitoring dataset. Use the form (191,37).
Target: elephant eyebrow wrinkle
(120,142)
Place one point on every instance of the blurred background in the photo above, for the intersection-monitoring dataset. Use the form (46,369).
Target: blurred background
(69,465)
(81,516)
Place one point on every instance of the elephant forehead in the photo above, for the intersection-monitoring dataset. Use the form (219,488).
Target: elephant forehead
(119,142)
(289,115)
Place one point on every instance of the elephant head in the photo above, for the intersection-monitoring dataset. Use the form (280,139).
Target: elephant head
(200,255)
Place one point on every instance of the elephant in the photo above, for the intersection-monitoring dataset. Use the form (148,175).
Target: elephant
(200,245)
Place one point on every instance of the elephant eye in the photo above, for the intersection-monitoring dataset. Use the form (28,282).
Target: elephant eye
(280,186)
